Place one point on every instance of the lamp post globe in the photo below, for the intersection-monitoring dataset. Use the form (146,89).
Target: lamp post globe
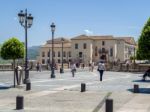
(52,67)
(26,21)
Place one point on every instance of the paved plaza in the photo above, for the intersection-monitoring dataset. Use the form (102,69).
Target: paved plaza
(62,94)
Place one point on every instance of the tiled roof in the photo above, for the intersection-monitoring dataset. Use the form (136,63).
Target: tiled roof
(67,42)
(65,45)
(58,40)
(102,37)
(129,40)
(82,37)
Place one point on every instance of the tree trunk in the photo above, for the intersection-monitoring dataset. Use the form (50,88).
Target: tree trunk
(14,72)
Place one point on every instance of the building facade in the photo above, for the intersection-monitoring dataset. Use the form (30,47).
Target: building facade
(45,56)
(87,49)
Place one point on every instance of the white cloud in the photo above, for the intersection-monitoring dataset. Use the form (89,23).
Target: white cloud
(88,32)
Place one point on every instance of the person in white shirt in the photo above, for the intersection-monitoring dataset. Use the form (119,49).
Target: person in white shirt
(73,69)
(101,69)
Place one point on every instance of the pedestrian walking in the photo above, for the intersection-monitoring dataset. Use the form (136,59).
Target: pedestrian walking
(101,69)
(146,74)
(82,65)
(37,66)
(92,66)
(73,69)
(127,65)
(40,67)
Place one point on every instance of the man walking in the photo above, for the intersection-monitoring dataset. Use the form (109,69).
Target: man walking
(101,69)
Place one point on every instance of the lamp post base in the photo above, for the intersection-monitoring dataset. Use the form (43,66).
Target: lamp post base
(61,70)
(52,76)
(25,81)
(52,73)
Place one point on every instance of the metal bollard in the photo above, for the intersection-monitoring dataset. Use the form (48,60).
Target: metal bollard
(136,88)
(19,102)
(109,105)
(28,86)
(83,87)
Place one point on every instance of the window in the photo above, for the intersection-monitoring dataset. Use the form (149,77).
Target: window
(84,46)
(43,61)
(103,50)
(48,54)
(64,61)
(69,60)
(64,54)
(96,51)
(43,54)
(103,43)
(111,52)
(69,54)
(58,53)
(80,54)
(76,46)
(58,60)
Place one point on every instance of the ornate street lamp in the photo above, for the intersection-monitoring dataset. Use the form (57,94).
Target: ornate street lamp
(62,63)
(26,21)
(52,68)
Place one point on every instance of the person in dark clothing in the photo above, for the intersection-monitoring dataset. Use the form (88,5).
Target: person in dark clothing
(146,74)
(37,66)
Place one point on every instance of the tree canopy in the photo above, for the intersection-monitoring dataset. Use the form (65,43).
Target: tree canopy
(143,51)
(12,49)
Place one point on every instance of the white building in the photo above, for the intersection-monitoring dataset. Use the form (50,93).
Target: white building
(85,49)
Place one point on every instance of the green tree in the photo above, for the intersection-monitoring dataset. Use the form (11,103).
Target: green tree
(0,50)
(143,51)
(12,49)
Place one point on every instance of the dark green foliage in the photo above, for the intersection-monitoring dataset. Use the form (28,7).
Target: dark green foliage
(138,56)
(144,43)
(0,51)
(12,49)
(132,57)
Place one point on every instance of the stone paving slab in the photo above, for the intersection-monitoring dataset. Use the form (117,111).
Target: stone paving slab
(73,101)
(63,93)
(129,102)
(64,101)
(139,103)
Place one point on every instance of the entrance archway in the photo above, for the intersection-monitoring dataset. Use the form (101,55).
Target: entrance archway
(103,57)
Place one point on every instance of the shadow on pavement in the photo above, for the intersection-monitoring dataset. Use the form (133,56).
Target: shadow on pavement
(3,86)
(146,81)
(141,90)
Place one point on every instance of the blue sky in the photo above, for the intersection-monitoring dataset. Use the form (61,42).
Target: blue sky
(73,17)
